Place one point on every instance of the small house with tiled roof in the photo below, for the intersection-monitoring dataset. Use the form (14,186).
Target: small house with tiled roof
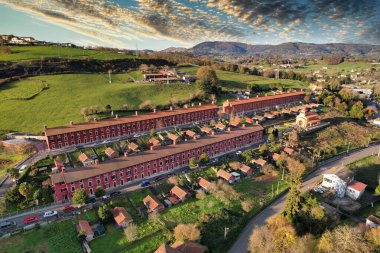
(153,204)
(154,142)
(191,134)
(226,176)
(177,194)
(288,150)
(86,160)
(249,120)
(111,153)
(220,126)
(355,189)
(206,130)
(175,138)
(260,162)
(122,217)
(276,156)
(133,147)
(204,184)
(84,225)
(235,122)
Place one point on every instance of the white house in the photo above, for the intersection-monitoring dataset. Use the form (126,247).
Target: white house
(355,189)
(333,182)
(372,221)
(17,40)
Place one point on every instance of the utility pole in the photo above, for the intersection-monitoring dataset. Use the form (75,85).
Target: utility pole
(226,230)
(278,184)
(283,172)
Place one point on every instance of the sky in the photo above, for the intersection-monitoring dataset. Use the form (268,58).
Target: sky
(158,24)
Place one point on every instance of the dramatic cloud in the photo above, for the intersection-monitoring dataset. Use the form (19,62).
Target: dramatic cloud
(122,23)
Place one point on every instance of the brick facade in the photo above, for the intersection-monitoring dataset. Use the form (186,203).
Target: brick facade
(119,171)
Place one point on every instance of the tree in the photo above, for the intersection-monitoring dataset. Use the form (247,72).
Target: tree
(187,232)
(247,205)
(146,105)
(377,189)
(99,192)
(193,163)
(80,196)
(173,180)
(357,110)
(269,169)
(84,111)
(204,158)
(152,132)
(105,213)
(207,79)
(200,194)
(13,173)
(263,149)
(247,155)
(108,108)
(125,107)
(271,137)
(81,235)
(25,190)
(37,196)
(130,232)
(293,138)
(261,240)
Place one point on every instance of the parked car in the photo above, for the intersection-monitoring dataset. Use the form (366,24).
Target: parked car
(144,183)
(7,224)
(49,214)
(115,194)
(29,220)
(105,197)
(91,200)
(159,178)
(22,169)
(238,152)
(68,209)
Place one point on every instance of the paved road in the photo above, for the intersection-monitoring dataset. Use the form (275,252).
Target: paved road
(331,166)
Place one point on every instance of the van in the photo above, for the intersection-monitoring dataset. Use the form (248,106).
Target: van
(22,168)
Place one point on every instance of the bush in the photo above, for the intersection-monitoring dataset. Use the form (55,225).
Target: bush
(247,205)
(187,232)
(80,197)
(99,192)
(130,232)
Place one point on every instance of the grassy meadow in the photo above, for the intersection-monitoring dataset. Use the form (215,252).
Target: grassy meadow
(67,94)
(367,170)
(23,53)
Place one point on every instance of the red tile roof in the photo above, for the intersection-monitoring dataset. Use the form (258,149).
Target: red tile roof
(260,161)
(179,192)
(289,151)
(276,156)
(154,141)
(220,126)
(356,185)
(225,175)
(133,146)
(83,157)
(206,129)
(190,133)
(110,152)
(203,183)
(122,120)
(85,226)
(264,98)
(173,137)
(121,216)
(152,202)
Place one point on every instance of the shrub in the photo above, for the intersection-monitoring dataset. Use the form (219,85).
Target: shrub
(130,232)
(99,192)
(186,232)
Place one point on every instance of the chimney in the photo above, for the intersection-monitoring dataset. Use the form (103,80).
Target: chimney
(171,108)
(152,147)
(213,102)
(212,132)
(71,123)
(243,126)
(185,106)
(125,154)
(192,104)
(136,113)
(117,116)
(95,119)
(154,110)
(238,98)
(96,161)
(200,104)
(257,122)
(174,142)
(229,129)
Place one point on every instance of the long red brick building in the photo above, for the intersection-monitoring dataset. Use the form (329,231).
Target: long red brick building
(119,171)
(260,103)
(82,133)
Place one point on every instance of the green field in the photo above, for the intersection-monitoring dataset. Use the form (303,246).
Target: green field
(67,94)
(367,170)
(343,68)
(236,81)
(22,53)
(8,159)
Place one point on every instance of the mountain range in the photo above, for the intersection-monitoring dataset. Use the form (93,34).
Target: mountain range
(221,48)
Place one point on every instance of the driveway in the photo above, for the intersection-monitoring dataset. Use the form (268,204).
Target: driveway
(241,244)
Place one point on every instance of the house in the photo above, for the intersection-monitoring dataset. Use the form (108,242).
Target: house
(333,182)
(259,118)
(249,120)
(111,153)
(220,126)
(269,115)
(83,225)
(175,138)
(133,146)
(177,194)
(276,156)
(86,160)
(28,39)
(372,221)
(206,130)
(191,134)
(226,176)
(305,120)
(235,122)
(289,151)
(355,189)
(17,40)
(242,167)
(121,217)
(153,204)
(204,184)
(154,142)
(260,162)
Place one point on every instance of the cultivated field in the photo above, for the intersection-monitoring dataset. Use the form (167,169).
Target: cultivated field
(21,53)
(66,94)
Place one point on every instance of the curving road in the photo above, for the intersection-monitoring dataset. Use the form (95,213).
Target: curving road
(329,166)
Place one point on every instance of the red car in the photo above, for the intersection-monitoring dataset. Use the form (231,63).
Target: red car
(29,220)
(68,209)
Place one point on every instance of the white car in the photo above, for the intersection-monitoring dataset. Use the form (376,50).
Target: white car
(21,170)
(238,152)
(50,214)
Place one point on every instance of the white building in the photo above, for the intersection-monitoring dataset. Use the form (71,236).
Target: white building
(355,189)
(376,122)
(333,182)
(372,221)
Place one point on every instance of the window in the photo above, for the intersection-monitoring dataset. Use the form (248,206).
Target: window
(91,191)
(98,181)
(106,179)
(89,183)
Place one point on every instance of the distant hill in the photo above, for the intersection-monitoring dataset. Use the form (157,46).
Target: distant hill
(219,48)
(174,50)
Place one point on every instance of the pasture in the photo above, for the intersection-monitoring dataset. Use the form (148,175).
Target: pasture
(24,53)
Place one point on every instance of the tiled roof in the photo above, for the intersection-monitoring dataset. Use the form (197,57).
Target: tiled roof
(224,174)
(151,202)
(245,168)
(289,150)
(154,141)
(121,215)
(123,120)
(85,226)
(359,186)
(264,98)
(133,146)
(276,156)
(109,151)
(260,161)
(206,129)
(220,126)
(179,192)
(74,175)
(173,137)
(190,133)
(83,157)
(203,183)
